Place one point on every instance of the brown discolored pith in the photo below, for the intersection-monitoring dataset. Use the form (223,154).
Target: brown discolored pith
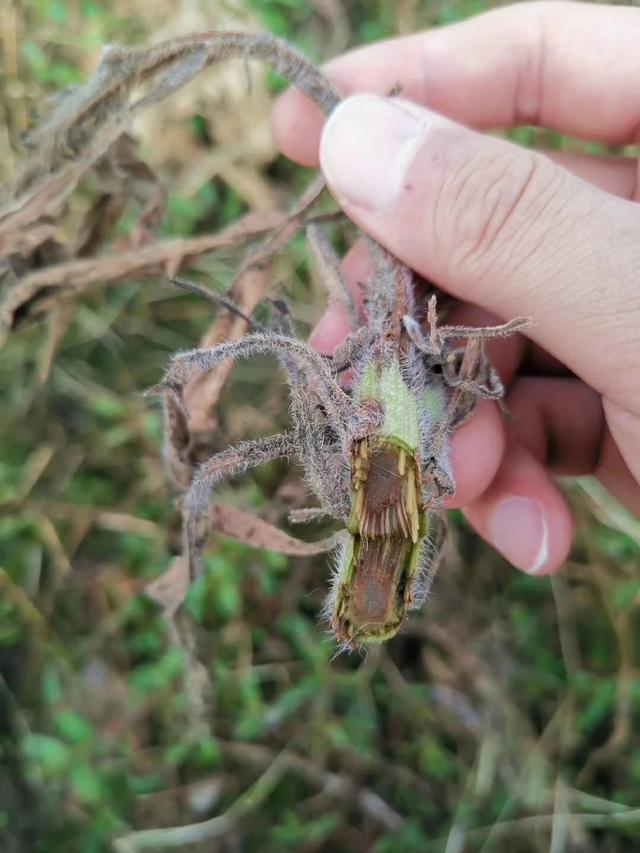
(375,603)
(387,494)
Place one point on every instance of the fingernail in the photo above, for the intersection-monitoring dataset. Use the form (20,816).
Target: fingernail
(518,529)
(367,147)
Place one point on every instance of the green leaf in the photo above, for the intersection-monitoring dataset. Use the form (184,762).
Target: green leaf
(216,592)
(203,753)
(624,593)
(177,753)
(50,754)
(73,727)
(86,784)
(148,784)
(52,689)
(207,752)
(159,675)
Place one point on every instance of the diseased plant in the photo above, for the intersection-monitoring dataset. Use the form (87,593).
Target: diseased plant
(377,456)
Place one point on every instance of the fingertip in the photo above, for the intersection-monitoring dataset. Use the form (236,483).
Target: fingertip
(477,448)
(615,475)
(332,328)
(296,124)
(523,515)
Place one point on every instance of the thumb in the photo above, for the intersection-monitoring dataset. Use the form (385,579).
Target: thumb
(497,225)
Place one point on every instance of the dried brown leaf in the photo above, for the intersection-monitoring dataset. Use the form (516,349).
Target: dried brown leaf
(169,590)
(254,531)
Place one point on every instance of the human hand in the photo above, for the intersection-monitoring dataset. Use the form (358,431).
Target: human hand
(554,236)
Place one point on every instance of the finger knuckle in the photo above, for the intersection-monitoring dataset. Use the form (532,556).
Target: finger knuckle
(494,204)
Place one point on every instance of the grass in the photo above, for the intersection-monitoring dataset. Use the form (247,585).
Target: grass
(504,717)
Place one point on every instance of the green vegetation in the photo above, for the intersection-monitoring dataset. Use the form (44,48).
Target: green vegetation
(505,715)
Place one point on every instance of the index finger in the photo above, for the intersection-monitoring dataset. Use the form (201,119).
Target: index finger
(571,67)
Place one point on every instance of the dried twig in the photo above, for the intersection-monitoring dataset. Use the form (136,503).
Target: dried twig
(336,786)
(36,291)
(179,836)
(85,122)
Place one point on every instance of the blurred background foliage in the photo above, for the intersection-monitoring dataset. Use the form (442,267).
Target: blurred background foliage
(505,716)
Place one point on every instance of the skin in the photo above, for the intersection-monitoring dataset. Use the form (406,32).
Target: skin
(509,232)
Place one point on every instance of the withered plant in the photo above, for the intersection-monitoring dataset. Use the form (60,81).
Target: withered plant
(375,456)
